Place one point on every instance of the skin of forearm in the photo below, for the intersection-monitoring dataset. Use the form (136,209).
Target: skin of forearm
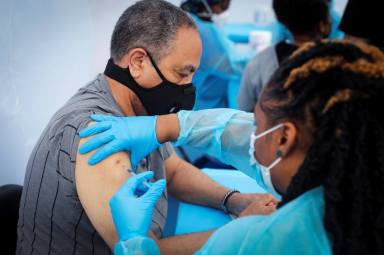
(197,188)
(183,244)
(191,185)
(167,128)
(187,183)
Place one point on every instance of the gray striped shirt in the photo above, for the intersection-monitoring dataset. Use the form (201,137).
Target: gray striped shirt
(51,217)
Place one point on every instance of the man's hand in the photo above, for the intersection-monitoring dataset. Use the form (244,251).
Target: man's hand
(264,206)
(249,204)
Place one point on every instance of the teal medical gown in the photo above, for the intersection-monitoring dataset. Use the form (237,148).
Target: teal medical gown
(220,65)
(221,133)
(296,228)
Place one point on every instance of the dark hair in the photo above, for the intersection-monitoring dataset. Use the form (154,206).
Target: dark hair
(197,7)
(301,16)
(151,24)
(360,19)
(334,93)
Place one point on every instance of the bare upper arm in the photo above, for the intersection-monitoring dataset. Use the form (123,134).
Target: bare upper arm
(96,185)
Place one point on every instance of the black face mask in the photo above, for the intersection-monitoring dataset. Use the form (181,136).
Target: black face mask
(167,97)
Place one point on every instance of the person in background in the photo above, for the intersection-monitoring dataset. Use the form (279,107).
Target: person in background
(219,68)
(319,143)
(217,65)
(306,20)
(362,20)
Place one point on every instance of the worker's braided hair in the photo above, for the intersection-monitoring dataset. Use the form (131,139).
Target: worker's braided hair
(334,93)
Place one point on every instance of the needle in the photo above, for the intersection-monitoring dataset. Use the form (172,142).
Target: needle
(145,183)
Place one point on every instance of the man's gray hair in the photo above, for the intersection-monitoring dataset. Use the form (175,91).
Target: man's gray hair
(150,24)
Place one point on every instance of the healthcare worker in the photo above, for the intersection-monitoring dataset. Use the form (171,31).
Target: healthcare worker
(220,68)
(306,21)
(319,143)
(219,64)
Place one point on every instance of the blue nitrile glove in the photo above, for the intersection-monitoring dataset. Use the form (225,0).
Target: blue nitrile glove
(132,215)
(134,134)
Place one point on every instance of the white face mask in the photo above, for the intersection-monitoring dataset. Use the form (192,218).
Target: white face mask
(264,172)
(210,13)
(218,19)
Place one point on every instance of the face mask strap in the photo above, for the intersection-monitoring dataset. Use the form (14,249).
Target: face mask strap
(266,175)
(252,141)
(268,131)
(156,67)
(274,163)
(208,8)
(119,74)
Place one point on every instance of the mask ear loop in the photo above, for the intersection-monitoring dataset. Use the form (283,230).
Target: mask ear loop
(162,77)
(208,8)
(273,164)
(156,67)
(254,137)
(267,171)
(269,131)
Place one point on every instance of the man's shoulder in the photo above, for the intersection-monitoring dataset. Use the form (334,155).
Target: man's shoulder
(94,98)
(266,55)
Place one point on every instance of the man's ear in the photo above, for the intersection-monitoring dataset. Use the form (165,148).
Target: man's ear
(288,138)
(134,60)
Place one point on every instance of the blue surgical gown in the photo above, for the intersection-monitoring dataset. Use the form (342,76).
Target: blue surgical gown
(296,228)
(221,133)
(220,65)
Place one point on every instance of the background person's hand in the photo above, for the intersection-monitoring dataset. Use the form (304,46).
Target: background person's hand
(114,134)
(132,215)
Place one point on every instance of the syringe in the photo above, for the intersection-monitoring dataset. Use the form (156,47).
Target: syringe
(145,183)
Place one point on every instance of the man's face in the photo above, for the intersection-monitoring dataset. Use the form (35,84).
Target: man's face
(180,64)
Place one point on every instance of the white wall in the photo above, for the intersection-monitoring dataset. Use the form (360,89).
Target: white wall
(48,49)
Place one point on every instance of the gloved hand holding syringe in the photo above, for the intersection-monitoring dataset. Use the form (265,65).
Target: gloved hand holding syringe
(142,188)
